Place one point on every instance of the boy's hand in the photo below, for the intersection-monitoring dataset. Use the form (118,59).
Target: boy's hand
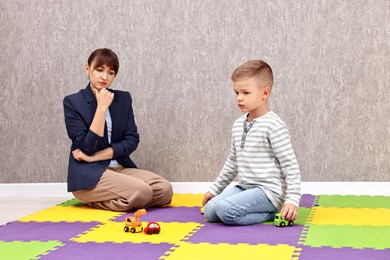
(289,211)
(208,196)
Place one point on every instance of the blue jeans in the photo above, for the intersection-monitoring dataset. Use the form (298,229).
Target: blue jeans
(237,206)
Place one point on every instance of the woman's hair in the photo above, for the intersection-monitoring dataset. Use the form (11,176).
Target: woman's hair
(254,68)
(101,57)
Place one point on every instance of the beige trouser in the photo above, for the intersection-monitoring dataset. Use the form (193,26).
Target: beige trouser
(124,189)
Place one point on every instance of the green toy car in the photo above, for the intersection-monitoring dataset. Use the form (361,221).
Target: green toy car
(279,221)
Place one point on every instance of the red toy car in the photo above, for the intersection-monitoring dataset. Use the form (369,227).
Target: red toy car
(152,228)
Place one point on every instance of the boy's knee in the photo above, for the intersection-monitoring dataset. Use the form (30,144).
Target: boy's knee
(220,212)
(226,213)
(210,213)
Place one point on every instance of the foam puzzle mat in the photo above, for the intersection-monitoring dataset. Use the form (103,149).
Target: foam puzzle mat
(328,227)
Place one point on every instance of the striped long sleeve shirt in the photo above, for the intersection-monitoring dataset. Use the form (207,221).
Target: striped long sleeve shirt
(262,156)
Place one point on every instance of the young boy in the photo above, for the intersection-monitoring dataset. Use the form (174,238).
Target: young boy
(261,154)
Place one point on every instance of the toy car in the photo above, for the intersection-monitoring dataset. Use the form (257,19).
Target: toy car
(279,221)
(134,224)
(152,228)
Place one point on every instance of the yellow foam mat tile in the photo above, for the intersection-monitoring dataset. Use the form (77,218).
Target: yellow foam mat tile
(71,214)
(204,251)
(111,231)
(186,200)
(351,216)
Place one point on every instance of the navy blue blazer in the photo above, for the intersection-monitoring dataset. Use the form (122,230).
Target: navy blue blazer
(79,110)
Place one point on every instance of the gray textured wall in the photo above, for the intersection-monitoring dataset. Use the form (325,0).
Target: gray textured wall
(331,61)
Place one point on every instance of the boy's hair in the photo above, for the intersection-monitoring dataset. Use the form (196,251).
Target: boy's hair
(107,57)
(254,68)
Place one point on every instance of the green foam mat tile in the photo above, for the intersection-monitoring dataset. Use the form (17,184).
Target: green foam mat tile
(350,201)
(72,202)
(348,236)
(26,250)
(303,214)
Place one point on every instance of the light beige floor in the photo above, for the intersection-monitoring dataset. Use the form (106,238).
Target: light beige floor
(13,208)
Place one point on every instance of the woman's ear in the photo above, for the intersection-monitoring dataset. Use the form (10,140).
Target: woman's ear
(87,69)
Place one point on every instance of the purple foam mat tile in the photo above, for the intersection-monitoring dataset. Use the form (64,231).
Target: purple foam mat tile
(43,231)
(325,253)
(116,251)
(173,214)
(307,200)
(254,234)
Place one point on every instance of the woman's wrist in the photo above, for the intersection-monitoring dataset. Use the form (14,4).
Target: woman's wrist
(102,108)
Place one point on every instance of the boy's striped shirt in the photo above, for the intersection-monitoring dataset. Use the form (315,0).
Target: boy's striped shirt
(267,160)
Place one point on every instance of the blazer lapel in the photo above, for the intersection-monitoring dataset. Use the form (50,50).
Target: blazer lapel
(91,100)
(115,116)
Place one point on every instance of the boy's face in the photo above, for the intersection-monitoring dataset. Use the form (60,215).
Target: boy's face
(100,77)
(252,96)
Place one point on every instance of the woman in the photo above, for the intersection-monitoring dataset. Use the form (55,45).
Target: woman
(100,123)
